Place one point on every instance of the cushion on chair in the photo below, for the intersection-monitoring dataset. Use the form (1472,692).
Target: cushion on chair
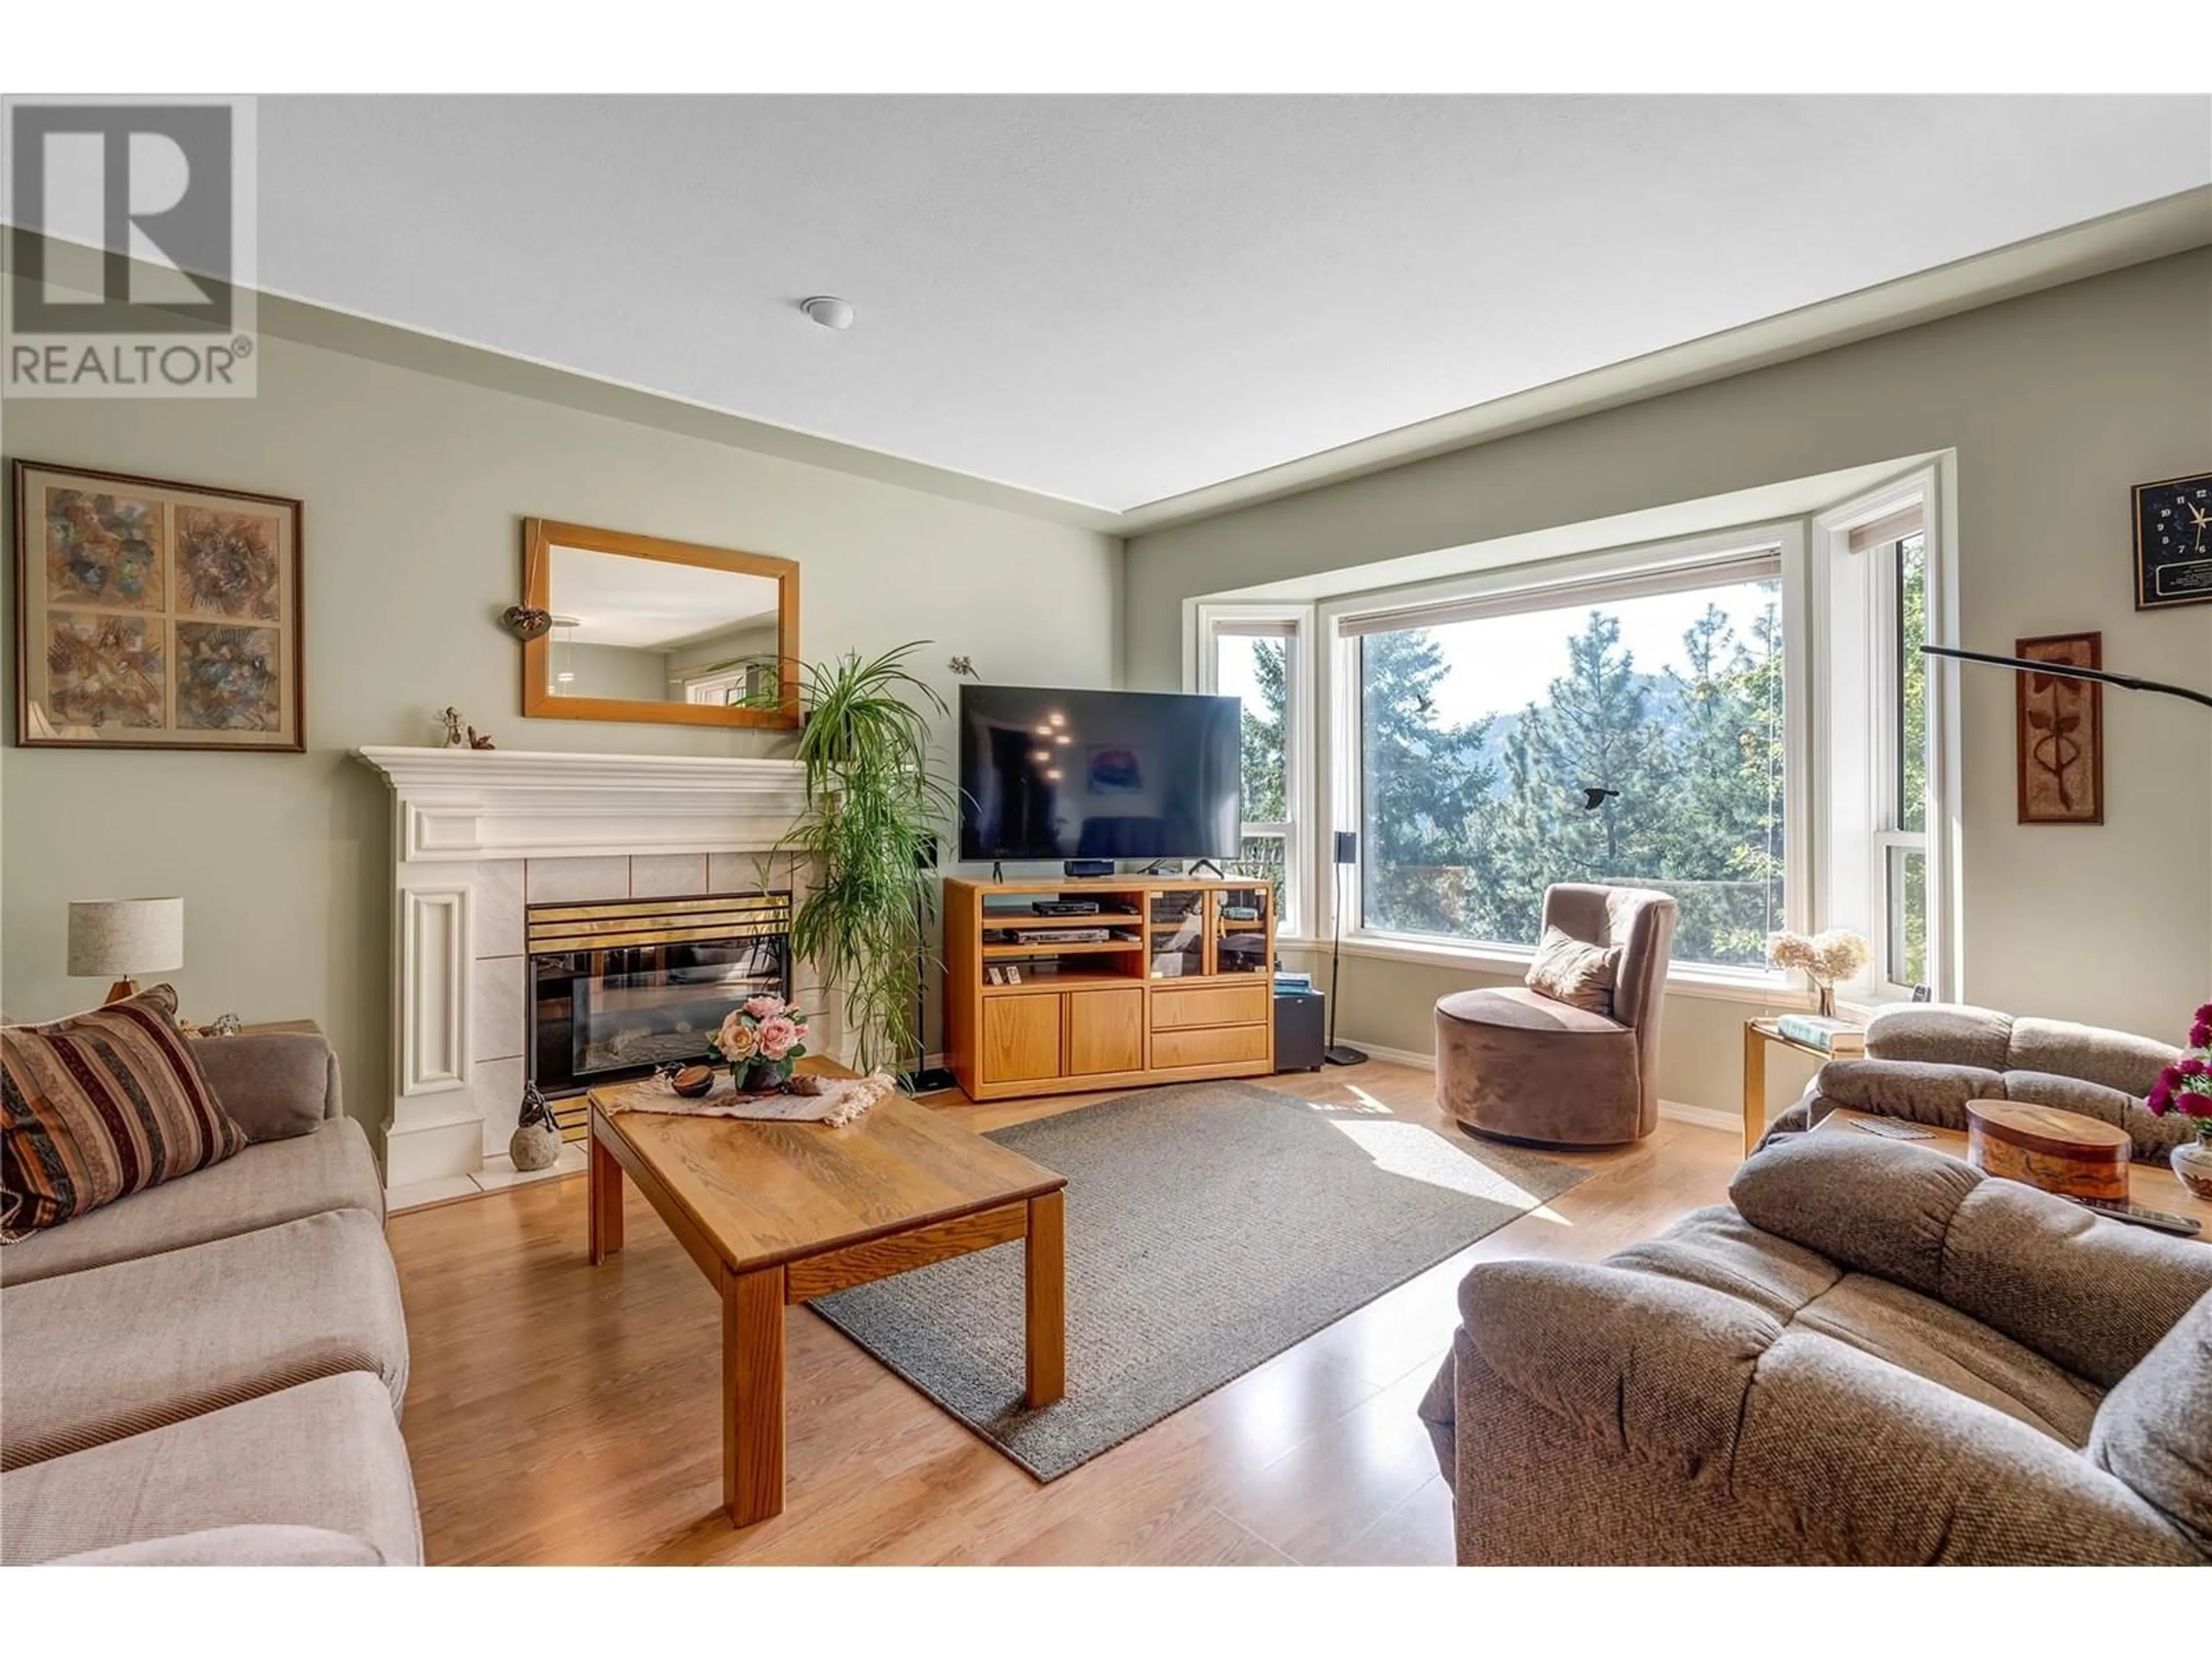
(1717,1248)
(1572,971)
(2094,1294)
(2126,1064)
(1941,1034)
(2154,1430)
(1933,1340)
(1922,1091)
(99,1106)
(1883,1207)
(2089,1294)
(266,1184)
(1521,1009)
(112,1351)
(326,1454)
(274,1085)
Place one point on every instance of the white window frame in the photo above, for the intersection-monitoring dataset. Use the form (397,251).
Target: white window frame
(1857,667)
(748,679)
(1206,622)
(1339,764)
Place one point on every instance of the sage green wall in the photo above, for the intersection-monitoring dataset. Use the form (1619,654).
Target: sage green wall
(2055,404)
(414,486)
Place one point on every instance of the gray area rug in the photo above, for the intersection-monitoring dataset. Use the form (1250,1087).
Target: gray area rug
(1209,1226)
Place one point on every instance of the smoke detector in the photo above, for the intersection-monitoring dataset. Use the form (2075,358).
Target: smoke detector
(829,310)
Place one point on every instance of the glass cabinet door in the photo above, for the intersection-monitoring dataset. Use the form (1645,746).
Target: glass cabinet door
(1240,925)
(1175,926)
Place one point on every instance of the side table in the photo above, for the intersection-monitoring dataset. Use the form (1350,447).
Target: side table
(1757,1034)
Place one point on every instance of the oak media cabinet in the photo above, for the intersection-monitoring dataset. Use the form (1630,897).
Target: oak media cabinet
(1182,988)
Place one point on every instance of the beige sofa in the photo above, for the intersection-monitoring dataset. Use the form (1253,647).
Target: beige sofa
(1924,1062)
(1878,1356)
(211,1371)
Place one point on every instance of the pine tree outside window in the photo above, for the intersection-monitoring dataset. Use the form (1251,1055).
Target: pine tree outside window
(1630,731)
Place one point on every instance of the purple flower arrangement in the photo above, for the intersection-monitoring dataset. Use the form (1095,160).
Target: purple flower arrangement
(2186,1086)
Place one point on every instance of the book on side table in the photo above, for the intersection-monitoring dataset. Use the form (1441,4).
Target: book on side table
(1838,1038)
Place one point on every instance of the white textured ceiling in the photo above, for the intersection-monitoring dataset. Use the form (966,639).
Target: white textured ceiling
(648,604)
(1118,300)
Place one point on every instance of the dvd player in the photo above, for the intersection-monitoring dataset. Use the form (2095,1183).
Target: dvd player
(1064,908)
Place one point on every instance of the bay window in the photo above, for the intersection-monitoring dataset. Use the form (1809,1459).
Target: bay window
(1741,719)
(1627,728)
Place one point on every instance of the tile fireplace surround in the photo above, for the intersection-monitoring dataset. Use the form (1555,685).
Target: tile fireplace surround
(478,835)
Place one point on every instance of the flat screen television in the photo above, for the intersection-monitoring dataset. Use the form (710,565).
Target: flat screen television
(1098,774)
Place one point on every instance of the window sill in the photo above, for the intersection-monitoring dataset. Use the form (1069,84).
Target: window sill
(1712,984)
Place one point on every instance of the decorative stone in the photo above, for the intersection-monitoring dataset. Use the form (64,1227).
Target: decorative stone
(536,1139)
(535,1147)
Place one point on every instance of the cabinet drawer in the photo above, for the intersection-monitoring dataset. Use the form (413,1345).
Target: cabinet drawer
(1215,1046)
(1210,1005)
(1021,1038)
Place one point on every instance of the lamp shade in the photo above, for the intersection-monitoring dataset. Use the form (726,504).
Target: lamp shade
(124,937)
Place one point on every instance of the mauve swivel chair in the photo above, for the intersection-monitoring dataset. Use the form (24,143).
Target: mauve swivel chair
(1514,1065)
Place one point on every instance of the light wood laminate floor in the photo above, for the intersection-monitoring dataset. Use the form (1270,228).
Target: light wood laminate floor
(560,1413)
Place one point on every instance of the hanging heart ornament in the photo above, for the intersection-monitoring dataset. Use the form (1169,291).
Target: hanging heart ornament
(525,621)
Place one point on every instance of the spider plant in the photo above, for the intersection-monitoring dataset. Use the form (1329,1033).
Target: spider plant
(872,806)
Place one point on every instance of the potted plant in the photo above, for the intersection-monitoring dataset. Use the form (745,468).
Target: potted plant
(873,811)
(763,1038)
(2185,1087)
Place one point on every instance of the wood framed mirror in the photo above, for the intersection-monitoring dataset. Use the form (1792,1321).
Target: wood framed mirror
(646,629)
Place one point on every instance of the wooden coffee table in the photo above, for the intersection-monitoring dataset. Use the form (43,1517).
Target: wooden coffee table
(2151,1185)
(778,1213)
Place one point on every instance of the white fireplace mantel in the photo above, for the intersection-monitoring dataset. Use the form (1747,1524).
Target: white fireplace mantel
(460,805)
(480,834)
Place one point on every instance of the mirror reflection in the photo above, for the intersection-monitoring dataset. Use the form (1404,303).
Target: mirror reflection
(648,632)
(645,628)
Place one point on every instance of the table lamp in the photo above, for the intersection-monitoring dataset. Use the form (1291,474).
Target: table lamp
(125,936)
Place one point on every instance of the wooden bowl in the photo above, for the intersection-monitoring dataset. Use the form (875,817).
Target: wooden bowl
(693,1081)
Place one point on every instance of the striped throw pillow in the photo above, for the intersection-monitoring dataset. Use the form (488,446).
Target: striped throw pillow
(99,1106)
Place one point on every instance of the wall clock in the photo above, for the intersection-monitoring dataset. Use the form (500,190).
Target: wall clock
(2173,542)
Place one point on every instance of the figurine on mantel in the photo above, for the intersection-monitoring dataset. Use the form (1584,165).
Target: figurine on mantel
(476,739)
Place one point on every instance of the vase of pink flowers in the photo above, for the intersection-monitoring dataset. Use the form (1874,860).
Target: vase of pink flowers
(2185,1087)
(763,1038)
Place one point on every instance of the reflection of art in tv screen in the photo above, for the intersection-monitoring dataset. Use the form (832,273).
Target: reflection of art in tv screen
(1115,772)
(1098,774)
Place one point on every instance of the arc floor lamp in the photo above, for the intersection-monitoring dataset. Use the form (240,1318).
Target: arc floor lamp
(2065,672)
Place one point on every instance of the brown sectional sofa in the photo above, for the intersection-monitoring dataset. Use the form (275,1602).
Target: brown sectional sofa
(1878,1356)
(1924,1062)
(211,1371)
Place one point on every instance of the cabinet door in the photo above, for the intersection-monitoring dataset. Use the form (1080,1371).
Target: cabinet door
(1105,1031)
(1021,1037)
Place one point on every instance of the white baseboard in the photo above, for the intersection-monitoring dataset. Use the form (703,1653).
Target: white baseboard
(1706,1117)
(1396,1056)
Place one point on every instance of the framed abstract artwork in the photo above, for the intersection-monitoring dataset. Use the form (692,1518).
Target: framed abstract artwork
(151,614)
(2061,732)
